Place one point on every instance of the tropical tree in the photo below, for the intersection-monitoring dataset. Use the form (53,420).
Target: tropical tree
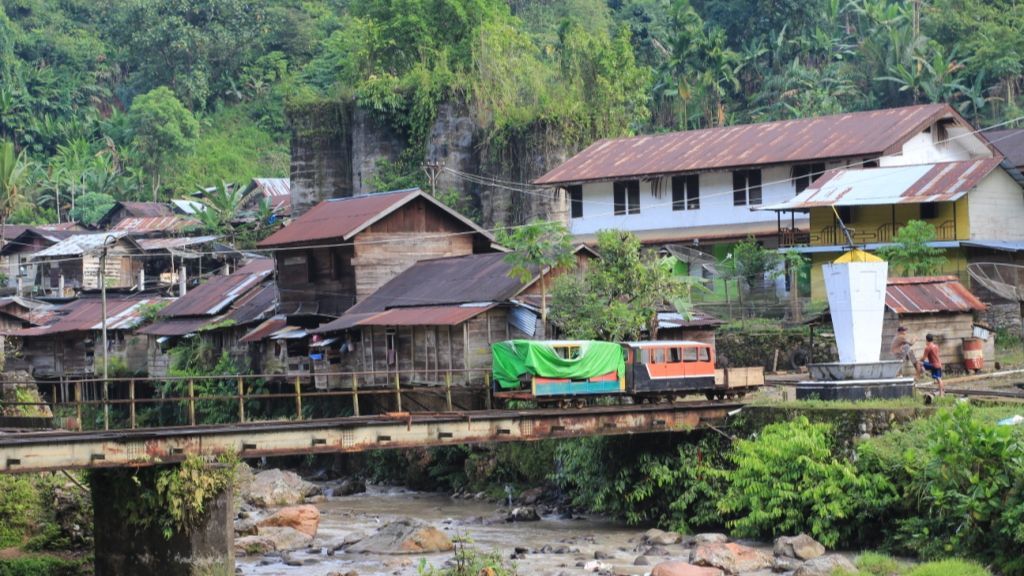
(162,129)
(12,171)
(538,248)
(91,207)
(910,254)
(220,207)
(620,294)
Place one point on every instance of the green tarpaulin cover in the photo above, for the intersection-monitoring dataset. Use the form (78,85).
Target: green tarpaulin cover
(513,358)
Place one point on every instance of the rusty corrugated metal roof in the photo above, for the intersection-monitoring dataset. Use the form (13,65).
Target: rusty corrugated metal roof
(426,315)
(914,184)
(145,209)
(856,134)
(81,244)
(219,292)
(86,314)
(254,306)
(175,326)
(1010,143)
(441,282)
(154,244)
(343,218)
(930,295)
(265,329)
(155,224)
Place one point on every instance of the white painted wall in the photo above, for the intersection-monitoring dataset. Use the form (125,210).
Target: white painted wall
(996,208)
(922,149)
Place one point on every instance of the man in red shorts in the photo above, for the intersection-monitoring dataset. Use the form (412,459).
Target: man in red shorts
(932,363)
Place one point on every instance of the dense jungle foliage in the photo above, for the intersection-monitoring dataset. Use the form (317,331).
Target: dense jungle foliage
(150,98)
(948,485)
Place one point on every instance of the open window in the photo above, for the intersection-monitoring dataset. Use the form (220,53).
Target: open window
(575,200)
(746,188)
(686,192)
(627,197)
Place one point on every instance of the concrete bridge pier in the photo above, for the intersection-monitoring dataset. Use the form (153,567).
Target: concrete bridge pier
(124,548)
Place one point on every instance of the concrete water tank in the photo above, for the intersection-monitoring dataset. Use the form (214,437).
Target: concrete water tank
(855,284)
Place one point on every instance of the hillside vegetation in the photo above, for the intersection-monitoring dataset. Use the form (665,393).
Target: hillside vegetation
(151,98)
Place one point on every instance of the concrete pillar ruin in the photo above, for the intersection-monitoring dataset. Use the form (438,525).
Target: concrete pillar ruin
(122,547)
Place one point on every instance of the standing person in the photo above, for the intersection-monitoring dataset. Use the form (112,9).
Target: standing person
(901,348)
(933,363)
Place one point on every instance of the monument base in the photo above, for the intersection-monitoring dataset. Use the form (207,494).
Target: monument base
(855,389)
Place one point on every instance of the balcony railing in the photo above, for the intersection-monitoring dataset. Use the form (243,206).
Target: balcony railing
(833,235)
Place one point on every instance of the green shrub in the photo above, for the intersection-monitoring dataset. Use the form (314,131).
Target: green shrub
(43,566)
(469,561)
(950,568)
(19,508)
(787,480)
(877,564)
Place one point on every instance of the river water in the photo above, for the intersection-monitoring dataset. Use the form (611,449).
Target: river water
(482,522)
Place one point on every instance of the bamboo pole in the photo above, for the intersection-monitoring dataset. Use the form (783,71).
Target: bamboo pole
(448,390)
(131,406)
(191,403)
(355,395)
(78,403)
(298,398)
(241,401)
(398,393)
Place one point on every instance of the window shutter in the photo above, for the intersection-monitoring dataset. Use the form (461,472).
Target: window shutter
(693,192)
(739,188)
(754,182)
(633,186)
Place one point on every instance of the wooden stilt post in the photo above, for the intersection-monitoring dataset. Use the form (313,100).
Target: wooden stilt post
(448,390)
(78,403)
(398,394)
(355,395)
(487,390)
(241,401)
(298,398)
(191,403)
(131,405)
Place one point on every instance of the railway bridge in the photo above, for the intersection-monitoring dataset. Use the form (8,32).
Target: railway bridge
(121,442)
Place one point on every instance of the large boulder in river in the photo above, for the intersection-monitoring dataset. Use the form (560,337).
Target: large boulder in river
(305,519)
(253,545)
(826,566)
(683,569)
(405,536)
(800,546)
(285,538)
(278,488)
(661,538)
(731,557)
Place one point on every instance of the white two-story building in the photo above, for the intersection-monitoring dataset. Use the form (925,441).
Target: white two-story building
(704,186)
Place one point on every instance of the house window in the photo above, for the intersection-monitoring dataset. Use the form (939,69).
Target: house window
(575,200)
(929,211)
(686,192)
(870,164)
(746,188)
(627,197)
(804,174)
(295,268)
(391,346)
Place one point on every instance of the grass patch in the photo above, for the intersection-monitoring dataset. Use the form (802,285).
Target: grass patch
(44,566)
(877,564)
(949,568)
(872,404)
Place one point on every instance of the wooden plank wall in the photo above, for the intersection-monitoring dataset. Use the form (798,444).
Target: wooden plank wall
(948,329)
(382,256)
(329,282)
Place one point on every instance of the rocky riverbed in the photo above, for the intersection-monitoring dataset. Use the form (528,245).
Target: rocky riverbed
(337,529)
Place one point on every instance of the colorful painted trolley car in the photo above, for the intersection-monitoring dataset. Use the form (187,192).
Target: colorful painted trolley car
(574,371)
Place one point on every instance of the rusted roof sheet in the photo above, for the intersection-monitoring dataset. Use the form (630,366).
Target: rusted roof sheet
(24,240)
(914,184)
(272,187)
(157,244)
(175,326)
(155,224)
(856,134)
(697,319)
(343,218)
(86,314)
(426,315)
(254,306)
(219,292)
(441,282)
(1010,143)
(738,231)
(930,295)
(265,329)
(79,245)
(145,209)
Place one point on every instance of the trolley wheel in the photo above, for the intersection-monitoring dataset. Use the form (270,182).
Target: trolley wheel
(709,395)
(719,395)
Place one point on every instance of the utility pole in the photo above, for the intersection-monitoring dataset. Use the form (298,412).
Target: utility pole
(433,170)
(103,312)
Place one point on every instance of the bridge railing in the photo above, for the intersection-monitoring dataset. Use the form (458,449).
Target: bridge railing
(144,402)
